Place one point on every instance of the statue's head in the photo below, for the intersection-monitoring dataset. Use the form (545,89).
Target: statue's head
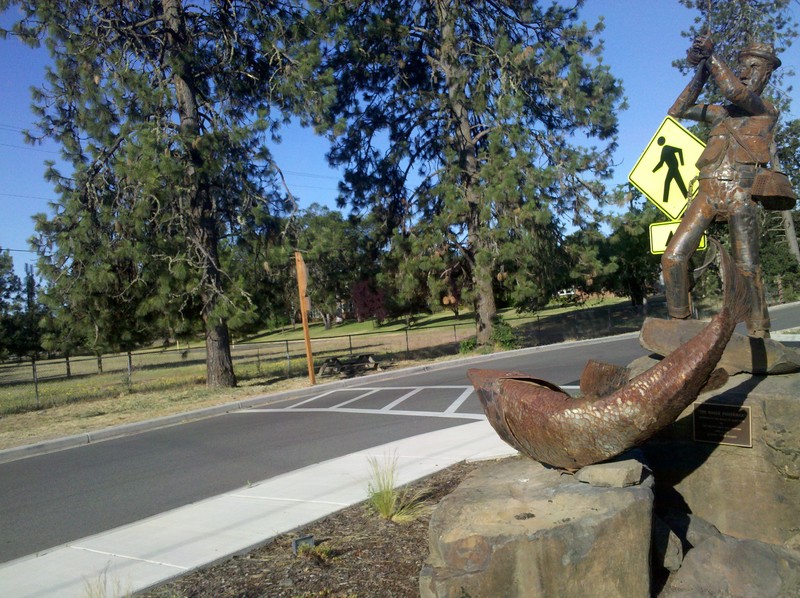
(756,63)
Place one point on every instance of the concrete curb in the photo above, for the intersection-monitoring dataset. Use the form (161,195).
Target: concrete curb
(68,442)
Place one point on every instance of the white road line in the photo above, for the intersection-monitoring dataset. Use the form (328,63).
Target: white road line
(358,398)
(403,398)
(460,400)
(314,398)
(472,416)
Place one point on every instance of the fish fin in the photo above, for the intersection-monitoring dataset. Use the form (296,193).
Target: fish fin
(602,379)
(716,380)
(736,291)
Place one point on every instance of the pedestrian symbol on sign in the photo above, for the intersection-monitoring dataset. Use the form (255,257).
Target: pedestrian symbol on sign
(667,166)
(670,156)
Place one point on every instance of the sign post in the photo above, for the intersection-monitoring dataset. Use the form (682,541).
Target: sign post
(302,285)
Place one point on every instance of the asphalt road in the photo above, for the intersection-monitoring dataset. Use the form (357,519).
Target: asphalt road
(55,498)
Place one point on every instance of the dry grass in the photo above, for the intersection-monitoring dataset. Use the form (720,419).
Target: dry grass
(78,417)
(31,427)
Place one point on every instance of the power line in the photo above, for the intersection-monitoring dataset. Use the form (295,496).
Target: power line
(12,128)
(25,147)
(26,196)
(313,176)
(312,187)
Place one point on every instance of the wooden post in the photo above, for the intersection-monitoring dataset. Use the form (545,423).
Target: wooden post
(36,382)
(302,284)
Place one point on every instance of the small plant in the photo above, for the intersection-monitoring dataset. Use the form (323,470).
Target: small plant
(398,505)
(104,585)
(468,345)
(321,554)
(503,335)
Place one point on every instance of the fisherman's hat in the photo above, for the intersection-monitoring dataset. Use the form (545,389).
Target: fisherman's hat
(761,50)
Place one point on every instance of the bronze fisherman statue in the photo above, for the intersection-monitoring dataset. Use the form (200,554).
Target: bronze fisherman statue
(740,141)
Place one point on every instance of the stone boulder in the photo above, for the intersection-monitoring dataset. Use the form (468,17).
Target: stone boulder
(750,492)
(518,528)
(725,566)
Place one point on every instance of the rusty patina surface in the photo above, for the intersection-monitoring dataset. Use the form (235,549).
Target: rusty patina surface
(760,356)
(547,424)
(740,142)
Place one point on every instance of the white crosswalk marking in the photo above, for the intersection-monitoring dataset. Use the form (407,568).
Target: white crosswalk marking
(358,398)
(459,394)
(408,395)
(459,401)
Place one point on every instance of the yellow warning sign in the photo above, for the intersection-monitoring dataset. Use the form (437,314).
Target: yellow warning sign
(661,234)
(666,169)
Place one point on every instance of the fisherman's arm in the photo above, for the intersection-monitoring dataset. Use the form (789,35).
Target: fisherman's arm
(733,89)
(685,106)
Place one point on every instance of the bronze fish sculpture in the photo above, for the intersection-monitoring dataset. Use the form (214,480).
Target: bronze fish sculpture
(547,424)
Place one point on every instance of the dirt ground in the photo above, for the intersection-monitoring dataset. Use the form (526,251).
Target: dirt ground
(356,554)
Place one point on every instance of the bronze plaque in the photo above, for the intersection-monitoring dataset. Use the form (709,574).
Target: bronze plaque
(723,424)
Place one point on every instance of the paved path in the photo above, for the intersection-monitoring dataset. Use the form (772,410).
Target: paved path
(147,553)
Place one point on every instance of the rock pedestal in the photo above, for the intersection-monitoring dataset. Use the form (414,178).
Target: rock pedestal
(517,528)
(719,516)
(748,492)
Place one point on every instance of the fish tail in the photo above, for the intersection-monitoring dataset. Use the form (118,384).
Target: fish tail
(735,288)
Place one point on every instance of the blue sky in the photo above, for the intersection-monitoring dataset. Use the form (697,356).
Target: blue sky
(642,38)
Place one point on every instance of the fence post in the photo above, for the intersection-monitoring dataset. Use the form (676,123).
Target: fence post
(35,382)
(130,369)
(288,361)
(407,349)
(350,342)
(455,334)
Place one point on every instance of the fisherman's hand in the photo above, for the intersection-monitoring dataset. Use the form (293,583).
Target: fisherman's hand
(701,50)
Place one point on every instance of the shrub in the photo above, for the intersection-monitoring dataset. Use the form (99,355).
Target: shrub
(503,335)
(398,505)
(468,345)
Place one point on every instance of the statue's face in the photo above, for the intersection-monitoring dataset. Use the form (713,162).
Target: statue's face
(754,72)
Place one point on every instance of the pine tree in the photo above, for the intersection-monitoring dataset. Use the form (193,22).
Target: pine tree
(335,254)
(162,110)
(10,288)
(455,123)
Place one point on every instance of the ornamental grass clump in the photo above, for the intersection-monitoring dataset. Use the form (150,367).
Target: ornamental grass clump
(399,505)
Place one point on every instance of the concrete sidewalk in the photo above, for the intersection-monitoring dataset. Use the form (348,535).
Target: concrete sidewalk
(135,557)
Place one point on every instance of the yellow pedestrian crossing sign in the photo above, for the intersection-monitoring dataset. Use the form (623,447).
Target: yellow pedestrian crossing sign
(666,168)
(661,234)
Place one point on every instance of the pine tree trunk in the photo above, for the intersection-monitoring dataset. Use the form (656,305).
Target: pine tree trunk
(486,309)
(202,224)
(485,306)
(219,363)
(464,143)
(791,234)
